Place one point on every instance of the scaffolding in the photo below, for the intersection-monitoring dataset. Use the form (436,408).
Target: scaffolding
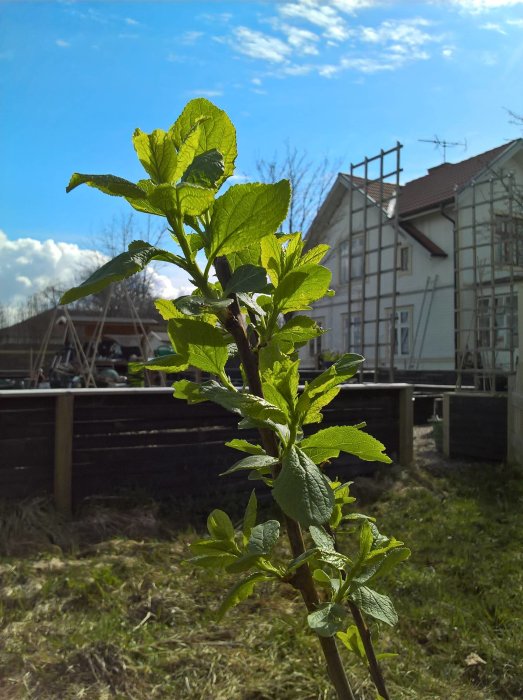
(372,259)
(488,264)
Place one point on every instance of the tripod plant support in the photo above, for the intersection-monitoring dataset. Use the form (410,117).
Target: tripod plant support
(250,283)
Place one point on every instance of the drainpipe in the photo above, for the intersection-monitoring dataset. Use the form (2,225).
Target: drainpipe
(456,282)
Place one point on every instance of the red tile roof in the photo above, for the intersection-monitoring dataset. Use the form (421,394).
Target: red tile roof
(441,182)
(437,187)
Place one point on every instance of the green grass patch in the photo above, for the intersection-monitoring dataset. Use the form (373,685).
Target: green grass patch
(104,607)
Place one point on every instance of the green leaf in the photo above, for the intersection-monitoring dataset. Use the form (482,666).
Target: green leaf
(321,538)
(139,255)
(300,287)
(142,203)
(247,405)
(251,304)
(314,255)
(220,526)
(352,640)
(242,590)
(298,329)
(206,169)
(366,539)
(167,309)
(216,132)
(246,278)
(167,363)
(249,517)
(203,345)
(109,184)
(246,256)
(187,153)
(302,491)
(191,305)
(301,560)
(157,154)
(189,391)
(213,561)
(263,537)
(271,258)
(214,547)
(383,565)
(181,200)
(244,446)
(260,462)
(375,604)
(245,214)
(327,619)
(328,443)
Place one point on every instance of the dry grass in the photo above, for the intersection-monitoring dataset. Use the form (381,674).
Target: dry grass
(104,607)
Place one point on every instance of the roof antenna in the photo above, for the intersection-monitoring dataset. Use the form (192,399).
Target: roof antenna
(441,143)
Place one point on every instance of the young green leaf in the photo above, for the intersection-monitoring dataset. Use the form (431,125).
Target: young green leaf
(167,363)
(217,132)
(220,526)
(108,184)
(189,391)
(263,537)
(259,462)
(203,345)
(375,604)
(242,590)
(139,255)
(245,446)
(249,517)
(352,640)
(206,169)
(191,305)
(302,491)
(246,278)
(328,443)
(299,329)
(247,405)
(157,154)
(245,214)
(299,288)
(327,619)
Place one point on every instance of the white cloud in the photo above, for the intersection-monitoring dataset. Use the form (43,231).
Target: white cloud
(190,38)
(301,40)
(62,43)
(27,266)
(485,5)
(493,27)
(258,45)
(206,93)
(132,22)
(515,22)
(320,14)
(448,51)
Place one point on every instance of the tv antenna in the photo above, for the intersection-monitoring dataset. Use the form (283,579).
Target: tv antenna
(441,143)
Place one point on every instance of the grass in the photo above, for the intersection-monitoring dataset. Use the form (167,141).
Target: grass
(104,607)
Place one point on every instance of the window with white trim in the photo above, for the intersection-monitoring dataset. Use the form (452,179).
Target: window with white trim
(402,335)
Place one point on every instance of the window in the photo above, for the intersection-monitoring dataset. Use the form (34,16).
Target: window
(352,335)
(356,257)
(403,263)
(508,240)
(498,325)
(344,262)
(402,334)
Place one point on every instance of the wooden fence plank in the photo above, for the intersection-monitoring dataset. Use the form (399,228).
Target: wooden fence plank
(63,453)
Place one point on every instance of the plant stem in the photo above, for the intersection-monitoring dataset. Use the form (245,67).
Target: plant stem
(374,667)
(234,322)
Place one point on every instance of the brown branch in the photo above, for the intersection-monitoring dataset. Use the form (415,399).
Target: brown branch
(235,323)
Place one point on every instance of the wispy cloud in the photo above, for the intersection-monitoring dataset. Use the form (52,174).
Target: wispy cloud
(131,22)
(315,36)
(493,27)
(206,93)
(259,45)
(62,43)
(190,38)
(485,5)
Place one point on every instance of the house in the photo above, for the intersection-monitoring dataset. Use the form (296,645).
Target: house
(426,273)
(61,338)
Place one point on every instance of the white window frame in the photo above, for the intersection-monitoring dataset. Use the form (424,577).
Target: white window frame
(401,325)
(404,260)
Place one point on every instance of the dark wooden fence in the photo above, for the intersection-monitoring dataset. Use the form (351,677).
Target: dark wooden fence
(77,443)
(475,426)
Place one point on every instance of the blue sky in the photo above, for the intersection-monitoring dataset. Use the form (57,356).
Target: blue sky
(339,78)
